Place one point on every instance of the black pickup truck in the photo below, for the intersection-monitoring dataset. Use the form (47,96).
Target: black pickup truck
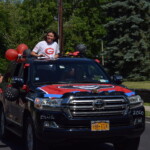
(69,98)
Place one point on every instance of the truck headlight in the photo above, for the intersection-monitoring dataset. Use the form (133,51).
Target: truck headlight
(135,101)
(47,103)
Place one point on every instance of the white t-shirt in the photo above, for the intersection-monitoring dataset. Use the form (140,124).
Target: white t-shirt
(50,50)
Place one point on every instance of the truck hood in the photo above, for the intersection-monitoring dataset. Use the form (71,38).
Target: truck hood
(57,91)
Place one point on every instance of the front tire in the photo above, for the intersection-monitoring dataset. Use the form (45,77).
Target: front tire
(29,135)
(127,144)
(31,141)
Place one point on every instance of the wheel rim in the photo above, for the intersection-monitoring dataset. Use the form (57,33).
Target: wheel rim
(30,137)
(2,122)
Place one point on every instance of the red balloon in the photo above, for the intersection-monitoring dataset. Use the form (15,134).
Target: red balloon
(21,48)
(11,54)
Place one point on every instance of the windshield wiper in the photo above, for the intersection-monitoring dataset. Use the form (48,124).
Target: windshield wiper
(87,81)
(92,81)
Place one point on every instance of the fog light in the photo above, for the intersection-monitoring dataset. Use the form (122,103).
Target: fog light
(138,121)
(46,124)
(50,124)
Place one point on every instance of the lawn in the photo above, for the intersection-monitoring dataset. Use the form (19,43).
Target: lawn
(147,113)
(147,104)
(137,85)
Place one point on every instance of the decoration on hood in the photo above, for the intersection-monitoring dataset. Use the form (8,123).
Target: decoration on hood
(86,87)
(94,91)
(58,91)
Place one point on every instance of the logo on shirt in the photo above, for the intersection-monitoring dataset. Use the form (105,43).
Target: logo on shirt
(49,51)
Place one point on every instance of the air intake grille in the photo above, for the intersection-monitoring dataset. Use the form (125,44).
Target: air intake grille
(88,106)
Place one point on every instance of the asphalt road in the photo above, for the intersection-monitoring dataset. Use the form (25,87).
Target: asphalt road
(145,143)
(14,143)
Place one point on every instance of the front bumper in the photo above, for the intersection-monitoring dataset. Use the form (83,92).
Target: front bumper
(56,126)
(56,135)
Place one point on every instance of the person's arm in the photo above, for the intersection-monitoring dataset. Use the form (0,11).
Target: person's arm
(35,51)
(35,54)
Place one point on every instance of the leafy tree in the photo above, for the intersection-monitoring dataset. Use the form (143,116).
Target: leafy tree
(11,24)
(84,24)
(128,38)
(126,33)
(37,17)
(4,25)
(30,19)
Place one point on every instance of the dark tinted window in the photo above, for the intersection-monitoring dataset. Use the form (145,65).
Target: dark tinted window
(68,72)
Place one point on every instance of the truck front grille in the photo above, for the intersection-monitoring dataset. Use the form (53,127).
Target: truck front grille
(89,106)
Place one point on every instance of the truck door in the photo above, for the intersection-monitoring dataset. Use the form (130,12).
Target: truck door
(14,109)
(18,106)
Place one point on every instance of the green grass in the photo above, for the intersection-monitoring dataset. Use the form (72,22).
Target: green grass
(147,113)
(147,104)
(137,85)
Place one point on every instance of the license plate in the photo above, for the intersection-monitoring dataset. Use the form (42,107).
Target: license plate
(100,125)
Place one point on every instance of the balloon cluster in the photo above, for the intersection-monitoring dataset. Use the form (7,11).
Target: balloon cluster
(12,54)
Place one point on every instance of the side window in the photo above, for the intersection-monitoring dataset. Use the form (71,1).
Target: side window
(25,74)
(10,71)
(95,73)
(7,77)
(17,69)
(45,73)
(13,70)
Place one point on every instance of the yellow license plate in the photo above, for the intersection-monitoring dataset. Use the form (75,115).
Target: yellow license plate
(100,125)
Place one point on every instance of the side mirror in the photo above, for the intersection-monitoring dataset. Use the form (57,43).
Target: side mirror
(17,82)
(118,79)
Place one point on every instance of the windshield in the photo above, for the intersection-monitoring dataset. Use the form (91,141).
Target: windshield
(68,72)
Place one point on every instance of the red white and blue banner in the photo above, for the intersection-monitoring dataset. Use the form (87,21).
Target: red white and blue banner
(58,91)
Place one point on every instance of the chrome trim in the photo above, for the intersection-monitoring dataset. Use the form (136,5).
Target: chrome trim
(30,99)
(97,106)
(13,121)
(97,113)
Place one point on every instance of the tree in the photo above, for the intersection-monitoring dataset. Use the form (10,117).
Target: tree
(128,36)
(4,26)
(126,33)
(84,24)
(30,19)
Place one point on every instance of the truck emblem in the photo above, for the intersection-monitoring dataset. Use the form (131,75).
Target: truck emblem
(98,104)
